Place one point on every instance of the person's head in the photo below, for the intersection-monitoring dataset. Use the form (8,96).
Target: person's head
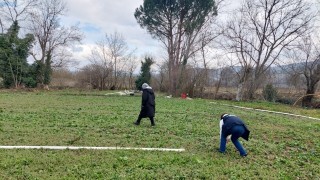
(146,86)
(223,115)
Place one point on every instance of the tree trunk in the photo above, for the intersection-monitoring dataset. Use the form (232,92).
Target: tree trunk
(239,92)
(47,69)
(307,99)
(175,80)
(251,91)
(218,87)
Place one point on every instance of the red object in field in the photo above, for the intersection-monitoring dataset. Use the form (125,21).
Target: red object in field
(183,95)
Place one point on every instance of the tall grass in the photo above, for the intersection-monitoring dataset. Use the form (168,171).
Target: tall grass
(281,147)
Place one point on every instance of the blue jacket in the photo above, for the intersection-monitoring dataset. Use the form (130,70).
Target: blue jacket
(230,121)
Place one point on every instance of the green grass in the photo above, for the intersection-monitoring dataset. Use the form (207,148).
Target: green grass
(276,107)
(281,147)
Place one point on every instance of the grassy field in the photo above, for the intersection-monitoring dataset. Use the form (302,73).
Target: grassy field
(281,146)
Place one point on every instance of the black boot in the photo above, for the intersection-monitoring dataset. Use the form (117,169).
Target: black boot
(152,121)
(137,121)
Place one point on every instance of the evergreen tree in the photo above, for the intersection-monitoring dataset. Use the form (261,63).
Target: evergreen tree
(13,56)
(145,75)
(181,25)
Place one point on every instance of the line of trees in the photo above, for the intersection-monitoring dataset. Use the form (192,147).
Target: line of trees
(46,41)
(256,36)
(112,64)
(305,56)
(259,33)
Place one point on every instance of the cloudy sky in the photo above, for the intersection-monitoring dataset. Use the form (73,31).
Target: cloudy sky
(98,17)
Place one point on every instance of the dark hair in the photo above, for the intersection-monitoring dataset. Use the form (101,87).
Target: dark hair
(223,115)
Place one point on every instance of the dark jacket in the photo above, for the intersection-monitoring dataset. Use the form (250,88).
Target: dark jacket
(230,121)
(148,103)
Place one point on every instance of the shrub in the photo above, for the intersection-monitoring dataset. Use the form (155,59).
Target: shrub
(285,100)
(270,93)
(29,82)
(1,83)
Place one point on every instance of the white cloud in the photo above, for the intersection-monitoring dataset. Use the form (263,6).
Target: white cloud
(98,17)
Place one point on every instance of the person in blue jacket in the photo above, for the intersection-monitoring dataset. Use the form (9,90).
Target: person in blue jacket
(234,126)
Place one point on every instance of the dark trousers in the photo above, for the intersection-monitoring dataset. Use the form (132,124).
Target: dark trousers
(236,132)
(151,119)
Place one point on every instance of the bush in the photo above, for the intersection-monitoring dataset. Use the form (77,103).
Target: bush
(285,100)
(29,82)
(1,83)
(270,93)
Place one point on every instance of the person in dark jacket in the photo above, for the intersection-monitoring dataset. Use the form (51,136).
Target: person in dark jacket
(147,104)
(234,126)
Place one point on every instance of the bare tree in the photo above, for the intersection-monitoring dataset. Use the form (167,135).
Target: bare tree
(112,55)
(307,64)
(100,61)
(50,36)
(62,77)
(118,51)
(259,32)
(15,10)
(294,80)
(63,58)
(129,67)
(192,78)
(113,52)
(225,77)
(162,76)
(91,76)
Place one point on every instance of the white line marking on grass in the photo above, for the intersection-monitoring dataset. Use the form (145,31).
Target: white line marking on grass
(91,148)
(262,110)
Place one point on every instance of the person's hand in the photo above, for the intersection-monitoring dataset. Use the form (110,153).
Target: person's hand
(228,138)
